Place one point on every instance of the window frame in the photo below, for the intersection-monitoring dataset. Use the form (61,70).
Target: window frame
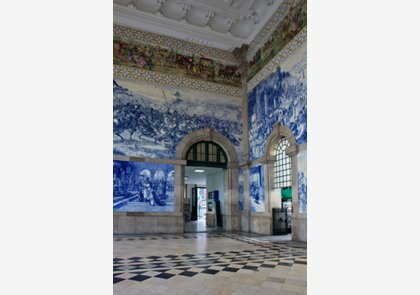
(282,165)
(197,149)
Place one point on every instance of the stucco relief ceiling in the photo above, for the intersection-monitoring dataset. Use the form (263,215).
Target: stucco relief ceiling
(222,24)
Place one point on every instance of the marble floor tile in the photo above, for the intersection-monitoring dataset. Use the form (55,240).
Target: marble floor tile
(209,263)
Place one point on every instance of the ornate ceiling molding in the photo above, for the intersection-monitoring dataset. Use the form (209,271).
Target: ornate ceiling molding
(222,24)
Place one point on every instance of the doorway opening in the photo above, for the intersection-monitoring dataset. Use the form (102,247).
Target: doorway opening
(209,149)
(202,199)
(204,171)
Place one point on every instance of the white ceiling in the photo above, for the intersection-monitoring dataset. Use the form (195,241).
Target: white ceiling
(200,178)
(222,24)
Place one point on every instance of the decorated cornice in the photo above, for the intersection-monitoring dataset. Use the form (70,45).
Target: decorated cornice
(181,46)
(269,27)
(158,77)
(269,68)
(294,20)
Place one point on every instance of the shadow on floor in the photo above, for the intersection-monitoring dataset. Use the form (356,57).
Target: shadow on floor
(199,226)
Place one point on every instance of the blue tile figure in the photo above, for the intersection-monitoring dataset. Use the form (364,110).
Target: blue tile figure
(302,192)
(302,183)
(143,187)
(256,189)
(241,196)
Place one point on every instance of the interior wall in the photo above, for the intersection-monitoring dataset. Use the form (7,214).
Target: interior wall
(150,119)
(277,95)
(299,221)
(154,111)
(216,182)
(188,194)
(157,104)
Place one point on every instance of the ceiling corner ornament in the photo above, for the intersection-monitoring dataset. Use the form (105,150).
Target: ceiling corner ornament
(254,16)
(184,11)
(229,23)
(159,5)
(207,17)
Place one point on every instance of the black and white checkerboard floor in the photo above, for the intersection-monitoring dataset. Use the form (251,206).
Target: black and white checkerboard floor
(176,264)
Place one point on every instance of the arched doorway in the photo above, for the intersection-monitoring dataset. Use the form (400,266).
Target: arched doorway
(281,139)
(208,148)
(204,177)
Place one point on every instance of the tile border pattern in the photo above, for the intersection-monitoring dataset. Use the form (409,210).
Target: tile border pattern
(173,80)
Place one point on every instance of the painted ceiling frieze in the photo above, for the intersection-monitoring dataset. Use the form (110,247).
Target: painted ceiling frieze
(275,62)
(180,46)
(290,25)
(268,27)
(170,61)
(173,80)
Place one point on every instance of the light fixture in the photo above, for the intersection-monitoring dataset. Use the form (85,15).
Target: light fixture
(199,170)
(186,177)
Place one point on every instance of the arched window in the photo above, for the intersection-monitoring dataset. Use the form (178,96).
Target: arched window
(205,153)
(282,166)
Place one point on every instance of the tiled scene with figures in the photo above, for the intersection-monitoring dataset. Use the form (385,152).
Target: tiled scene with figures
(143,187)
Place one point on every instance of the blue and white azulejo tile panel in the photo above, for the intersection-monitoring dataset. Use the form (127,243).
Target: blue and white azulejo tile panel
(143,187)
(151,119)
(256,189)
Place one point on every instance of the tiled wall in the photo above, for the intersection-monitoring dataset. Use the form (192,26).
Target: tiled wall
(256,189)
(156,107)
(241,195)
(150,119)
(143,187)
(302,183)
(280,97)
